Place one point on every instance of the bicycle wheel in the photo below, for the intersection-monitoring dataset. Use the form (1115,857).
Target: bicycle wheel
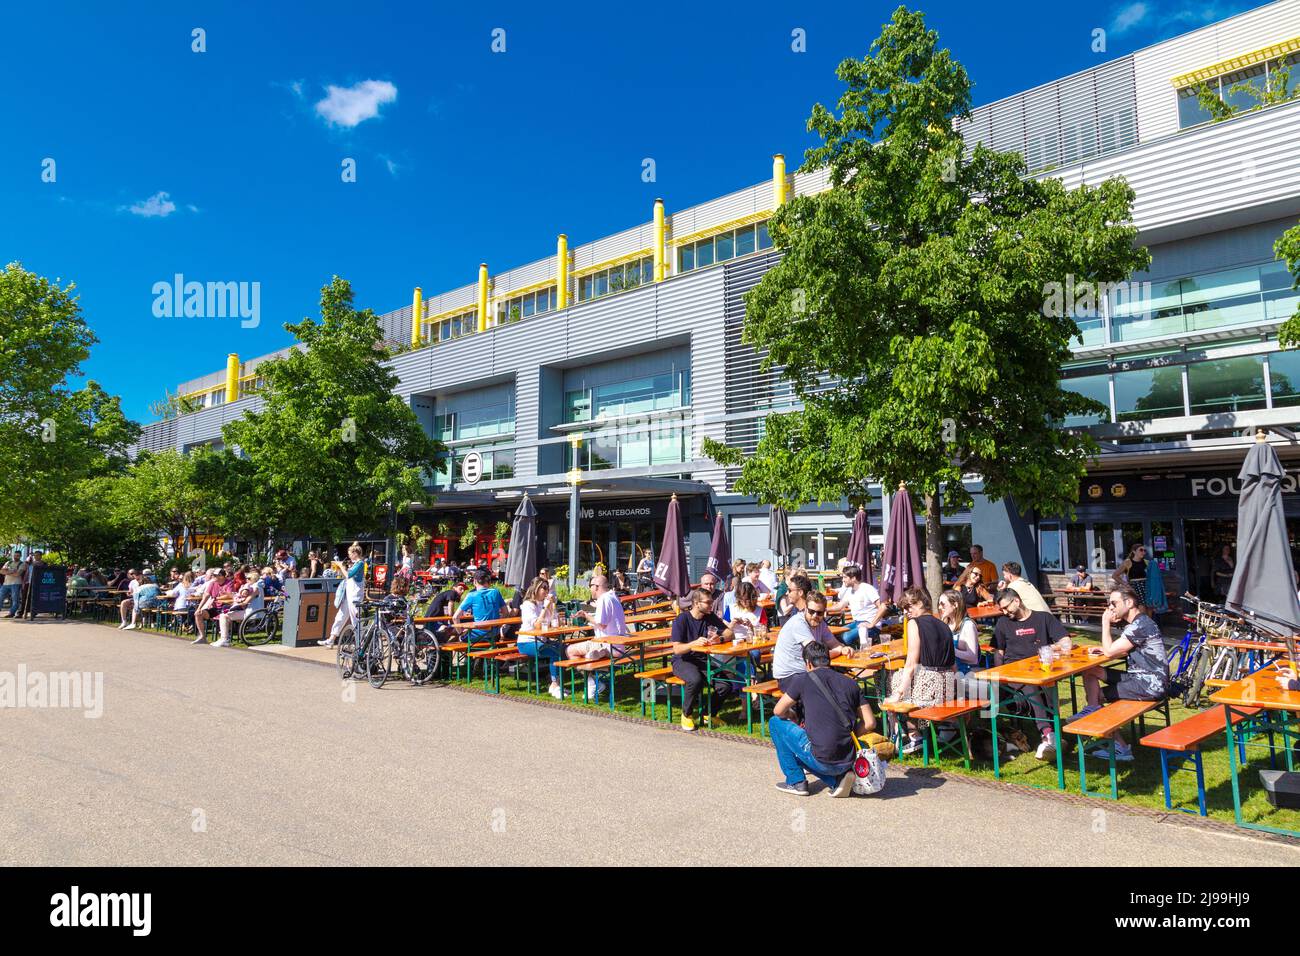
(258,628)
(424,657)
(346,655)
(376,655)
(1197,673)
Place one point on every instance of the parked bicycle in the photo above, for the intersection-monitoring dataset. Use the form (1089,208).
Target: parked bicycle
(262,626)
(388,634)
(1195,660)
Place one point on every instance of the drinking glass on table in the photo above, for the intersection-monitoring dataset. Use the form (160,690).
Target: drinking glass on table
(711,635)
(1045,658)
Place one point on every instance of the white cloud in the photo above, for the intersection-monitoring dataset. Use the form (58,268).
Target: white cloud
(296,86)
(352,105)
(392,165)
(1129,17)
(159,204)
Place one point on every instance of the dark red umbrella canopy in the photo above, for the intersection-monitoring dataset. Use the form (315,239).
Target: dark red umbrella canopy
(900,567)
(859,552)
(671,574)
(719,563)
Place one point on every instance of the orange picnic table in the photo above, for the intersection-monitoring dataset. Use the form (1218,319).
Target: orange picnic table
(1029,672)
(1277,709)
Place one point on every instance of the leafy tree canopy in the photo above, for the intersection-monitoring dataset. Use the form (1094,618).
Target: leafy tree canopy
(333,447)
(908,311)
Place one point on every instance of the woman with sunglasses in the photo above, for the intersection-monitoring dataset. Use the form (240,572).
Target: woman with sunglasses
(928,676)
(975,592)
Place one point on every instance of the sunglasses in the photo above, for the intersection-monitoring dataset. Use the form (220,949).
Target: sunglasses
(811,613)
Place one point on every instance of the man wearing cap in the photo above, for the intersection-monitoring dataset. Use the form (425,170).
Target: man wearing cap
(952,569)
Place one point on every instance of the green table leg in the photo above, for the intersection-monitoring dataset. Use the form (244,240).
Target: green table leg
(1232,763)
(1056,738)
(993,713)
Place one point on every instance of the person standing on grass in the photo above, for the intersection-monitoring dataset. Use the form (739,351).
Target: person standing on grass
(833,711)
(1147,677)
(695,628)
(607,621)
(1018,634)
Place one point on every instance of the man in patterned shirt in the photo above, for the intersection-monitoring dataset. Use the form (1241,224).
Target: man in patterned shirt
(1141,642)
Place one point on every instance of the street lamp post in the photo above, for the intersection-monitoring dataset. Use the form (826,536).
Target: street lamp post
(575,499)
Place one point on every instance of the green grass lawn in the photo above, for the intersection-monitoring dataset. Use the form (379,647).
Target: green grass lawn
(1139,782)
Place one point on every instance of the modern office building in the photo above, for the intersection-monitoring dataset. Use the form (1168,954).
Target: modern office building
(616,358)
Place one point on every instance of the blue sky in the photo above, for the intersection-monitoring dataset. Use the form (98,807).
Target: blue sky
(225,165)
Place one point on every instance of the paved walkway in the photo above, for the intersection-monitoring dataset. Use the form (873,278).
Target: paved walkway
(221,756)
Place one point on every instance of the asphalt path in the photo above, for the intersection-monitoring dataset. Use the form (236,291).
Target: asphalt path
(206,755)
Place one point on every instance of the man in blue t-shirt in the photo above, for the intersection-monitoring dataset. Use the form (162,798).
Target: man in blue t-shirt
(484,603)
(833,712)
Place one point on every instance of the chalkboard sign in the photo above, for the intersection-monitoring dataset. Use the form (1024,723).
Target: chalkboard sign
(49,589)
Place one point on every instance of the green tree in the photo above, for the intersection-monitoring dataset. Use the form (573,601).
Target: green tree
(94,534)
(51,436)
(1287,248)
(333,449)
(908,311)
(161,491)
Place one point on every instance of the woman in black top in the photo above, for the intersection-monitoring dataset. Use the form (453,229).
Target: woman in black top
(928,678)
(1133,572)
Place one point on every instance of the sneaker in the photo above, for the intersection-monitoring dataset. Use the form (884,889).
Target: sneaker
(325,643)
(555,691)
(1102,752)
(914,745)
(224,642)
(1017,739)
(120,627)
(201,639)
(593,690)
(130,627)
(845,787)
(1090,709)
(1045,751)
(688,725)
(795,789)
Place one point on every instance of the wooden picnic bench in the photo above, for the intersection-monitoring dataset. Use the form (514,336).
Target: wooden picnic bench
(955,713)
(1182,741)
(1104,723)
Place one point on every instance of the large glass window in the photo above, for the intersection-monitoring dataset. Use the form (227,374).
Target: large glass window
(1284,377)
(617,278)
(453,327)
(1226,385)
(521,306)
(1149,393)
(1096,387)
(639,396)
(723,246)
(1051,556)
(654,445)
(1210,300)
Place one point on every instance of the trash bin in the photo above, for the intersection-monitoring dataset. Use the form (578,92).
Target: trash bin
(308,610)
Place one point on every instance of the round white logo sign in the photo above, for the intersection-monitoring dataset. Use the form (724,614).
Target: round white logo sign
(471,468)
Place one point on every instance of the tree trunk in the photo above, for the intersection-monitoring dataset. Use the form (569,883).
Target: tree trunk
(933,543)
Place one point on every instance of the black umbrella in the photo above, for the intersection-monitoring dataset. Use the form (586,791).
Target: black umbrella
(1263,583)
(521,562)
(778,534)
(671,575)
(859,552)
(719,563)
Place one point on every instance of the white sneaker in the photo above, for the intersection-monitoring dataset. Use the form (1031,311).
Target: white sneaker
(326,643)
(1045,751)
(129,627)
(592,689)
(201,639)
(122,626)
(556,692)
(224,642)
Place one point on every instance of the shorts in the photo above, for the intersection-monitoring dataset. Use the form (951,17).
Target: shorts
(1118,685)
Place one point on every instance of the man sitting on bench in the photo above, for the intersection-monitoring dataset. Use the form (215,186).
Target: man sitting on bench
(1018,634)
(832,706)
(694,628)
(1147,677)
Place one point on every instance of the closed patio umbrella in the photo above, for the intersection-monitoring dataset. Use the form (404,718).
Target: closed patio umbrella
(859,552)
(671,574)
(719,563)
(1263,584)
(900,567)
(521,562)
(778,534)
